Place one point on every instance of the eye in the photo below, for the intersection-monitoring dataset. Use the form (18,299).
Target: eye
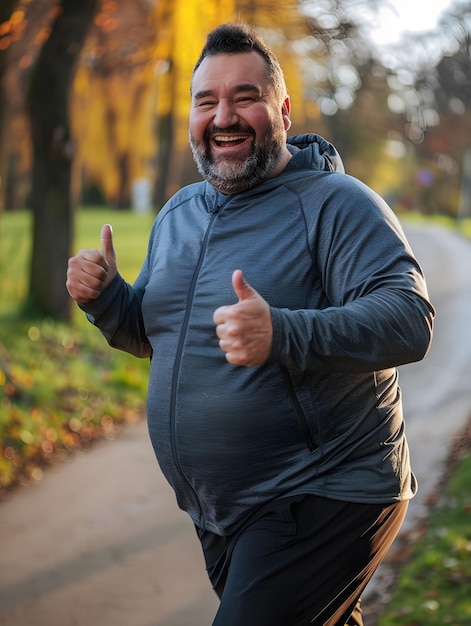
(205,104)
(245,100)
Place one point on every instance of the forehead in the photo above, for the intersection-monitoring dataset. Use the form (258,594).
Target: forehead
(227,70)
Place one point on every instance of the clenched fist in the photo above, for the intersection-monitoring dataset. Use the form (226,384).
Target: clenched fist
(90,271)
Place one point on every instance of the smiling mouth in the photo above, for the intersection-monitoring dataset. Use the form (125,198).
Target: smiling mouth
(224,141)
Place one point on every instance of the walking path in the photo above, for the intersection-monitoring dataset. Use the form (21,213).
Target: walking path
(100,541)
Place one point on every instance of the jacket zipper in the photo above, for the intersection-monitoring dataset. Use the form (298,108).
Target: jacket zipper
(176,369)
(298,409)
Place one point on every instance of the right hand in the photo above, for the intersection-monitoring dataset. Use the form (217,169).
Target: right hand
(91,271)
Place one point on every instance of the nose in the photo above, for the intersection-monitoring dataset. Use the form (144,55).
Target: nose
(225,114)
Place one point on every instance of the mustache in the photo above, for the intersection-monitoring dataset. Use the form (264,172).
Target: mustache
(235,128)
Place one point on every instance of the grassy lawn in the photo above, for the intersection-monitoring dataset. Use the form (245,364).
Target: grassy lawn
(434,586)
(62,387)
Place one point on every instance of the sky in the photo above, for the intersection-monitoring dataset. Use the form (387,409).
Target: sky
(407,15)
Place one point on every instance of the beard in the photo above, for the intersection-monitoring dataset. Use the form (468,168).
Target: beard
(234,176)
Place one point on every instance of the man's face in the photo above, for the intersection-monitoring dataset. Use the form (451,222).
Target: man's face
(237,124)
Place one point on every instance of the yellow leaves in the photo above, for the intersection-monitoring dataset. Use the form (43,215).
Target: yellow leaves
(21,377)
(12,29)
(5,28)
(141,73)
(164,89)
(17,17)
(113,108)
(7,471)
(182,29)
(26,436)
(113,118)
(312,110)
(82,80)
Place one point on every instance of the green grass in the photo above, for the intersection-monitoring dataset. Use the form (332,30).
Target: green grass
(61,386)
(434,587)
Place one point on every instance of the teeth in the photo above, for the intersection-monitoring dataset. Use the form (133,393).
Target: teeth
(231,138)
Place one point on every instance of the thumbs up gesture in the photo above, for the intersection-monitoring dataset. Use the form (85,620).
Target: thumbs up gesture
(90,271)
(245,328)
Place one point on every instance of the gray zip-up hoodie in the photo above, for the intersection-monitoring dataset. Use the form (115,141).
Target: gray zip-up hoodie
(348,302)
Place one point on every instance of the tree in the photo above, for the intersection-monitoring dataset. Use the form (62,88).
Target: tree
(24,26)
(433,95)
(113,101)
(135,69)
(53,153)
(6,37)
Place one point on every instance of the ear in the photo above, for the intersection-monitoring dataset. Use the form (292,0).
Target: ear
(286,112)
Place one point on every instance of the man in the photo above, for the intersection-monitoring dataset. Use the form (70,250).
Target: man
(276,300)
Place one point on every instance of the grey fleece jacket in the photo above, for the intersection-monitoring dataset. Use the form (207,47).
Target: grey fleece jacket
(348,303)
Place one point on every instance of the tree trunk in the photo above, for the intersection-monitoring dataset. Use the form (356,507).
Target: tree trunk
(123,200)
(6,9)
(53,150)
(165,143)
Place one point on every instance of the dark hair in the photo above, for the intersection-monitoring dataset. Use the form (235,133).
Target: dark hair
(233,38)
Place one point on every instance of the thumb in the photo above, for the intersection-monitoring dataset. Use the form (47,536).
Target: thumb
(106,237)
(242,288)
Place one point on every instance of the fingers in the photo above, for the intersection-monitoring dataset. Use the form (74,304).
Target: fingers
(244,329)
(241,288)
(90,271)
(86,274)
(106,238)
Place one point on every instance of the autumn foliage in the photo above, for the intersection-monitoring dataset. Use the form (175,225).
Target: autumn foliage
(129,101)
(131,87)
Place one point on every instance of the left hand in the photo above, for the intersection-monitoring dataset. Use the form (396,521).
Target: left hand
(244,329)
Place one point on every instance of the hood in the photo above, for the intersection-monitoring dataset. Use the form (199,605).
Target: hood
(313,151)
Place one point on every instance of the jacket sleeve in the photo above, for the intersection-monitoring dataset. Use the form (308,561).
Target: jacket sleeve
(378,313)
(117,313)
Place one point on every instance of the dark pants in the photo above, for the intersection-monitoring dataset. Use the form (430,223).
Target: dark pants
(300,560)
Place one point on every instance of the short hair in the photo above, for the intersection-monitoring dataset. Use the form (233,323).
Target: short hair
(233,38)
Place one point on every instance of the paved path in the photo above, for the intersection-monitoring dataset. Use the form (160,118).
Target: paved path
(100,541)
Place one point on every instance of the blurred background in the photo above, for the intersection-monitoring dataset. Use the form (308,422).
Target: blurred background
(104,84)
(94,99)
